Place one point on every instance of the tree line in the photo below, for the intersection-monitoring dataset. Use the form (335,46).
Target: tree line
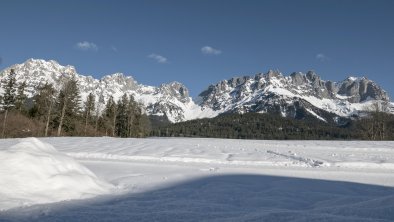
(60,112)
(376,126)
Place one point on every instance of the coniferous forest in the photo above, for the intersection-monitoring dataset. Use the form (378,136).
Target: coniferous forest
(61,112)
(379,126)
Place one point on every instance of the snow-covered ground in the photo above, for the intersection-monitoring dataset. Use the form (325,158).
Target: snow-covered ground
(32,172)
(184,179)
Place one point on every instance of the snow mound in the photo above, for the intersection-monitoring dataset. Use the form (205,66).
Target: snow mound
(33,172)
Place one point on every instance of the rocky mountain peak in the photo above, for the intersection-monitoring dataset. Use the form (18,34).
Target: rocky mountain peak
(121,81)
(298,78)
(177,90)
(273,73)
(362,89)
(312,76)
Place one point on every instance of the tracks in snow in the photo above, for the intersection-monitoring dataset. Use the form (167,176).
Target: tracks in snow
(231,160)
(293,156)
(270,159)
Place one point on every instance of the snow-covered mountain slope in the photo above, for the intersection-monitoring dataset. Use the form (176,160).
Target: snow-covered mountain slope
(294,96)
(171,100)
(273,92)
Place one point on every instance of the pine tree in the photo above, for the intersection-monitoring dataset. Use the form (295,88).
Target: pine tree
(8,100)
(68,105)
(132,109)
(121,117)
(44,103)
(20,98)
(9,91)
(110,115)
(89,109)
(99,105)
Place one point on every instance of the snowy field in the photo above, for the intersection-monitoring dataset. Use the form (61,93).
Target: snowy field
(184,179)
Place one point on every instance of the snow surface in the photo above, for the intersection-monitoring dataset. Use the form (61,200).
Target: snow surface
(33,172)
(184,179)
(317,116)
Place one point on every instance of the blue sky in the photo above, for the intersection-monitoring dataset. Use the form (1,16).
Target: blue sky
(204,41)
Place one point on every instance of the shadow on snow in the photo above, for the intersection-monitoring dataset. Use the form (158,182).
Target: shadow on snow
(228,198)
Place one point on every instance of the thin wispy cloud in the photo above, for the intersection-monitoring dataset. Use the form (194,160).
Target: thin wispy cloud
(208,50)
(86,46)
(159,58)
(113,48)
(322,58)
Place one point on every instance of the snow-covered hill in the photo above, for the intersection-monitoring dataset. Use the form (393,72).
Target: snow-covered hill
(270,92)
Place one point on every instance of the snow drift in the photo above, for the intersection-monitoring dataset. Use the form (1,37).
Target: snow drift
(33,172)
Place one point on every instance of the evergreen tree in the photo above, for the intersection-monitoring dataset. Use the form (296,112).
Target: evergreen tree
(44,103)
(132,111)
(9,85)
(20,98)
(8,100)
(110,116)
(89,109)
(99,105)
(68,105)
(121,117)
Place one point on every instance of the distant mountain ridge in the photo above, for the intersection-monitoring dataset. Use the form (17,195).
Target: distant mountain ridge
(171,99)
(273,92)
(292,96)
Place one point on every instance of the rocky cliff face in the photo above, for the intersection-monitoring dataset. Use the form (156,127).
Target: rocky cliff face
(355,89)
(294,96)
(289,95)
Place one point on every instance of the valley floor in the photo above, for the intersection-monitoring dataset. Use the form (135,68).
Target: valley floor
(193,179)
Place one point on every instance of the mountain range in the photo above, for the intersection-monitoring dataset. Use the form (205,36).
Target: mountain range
(297,95)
